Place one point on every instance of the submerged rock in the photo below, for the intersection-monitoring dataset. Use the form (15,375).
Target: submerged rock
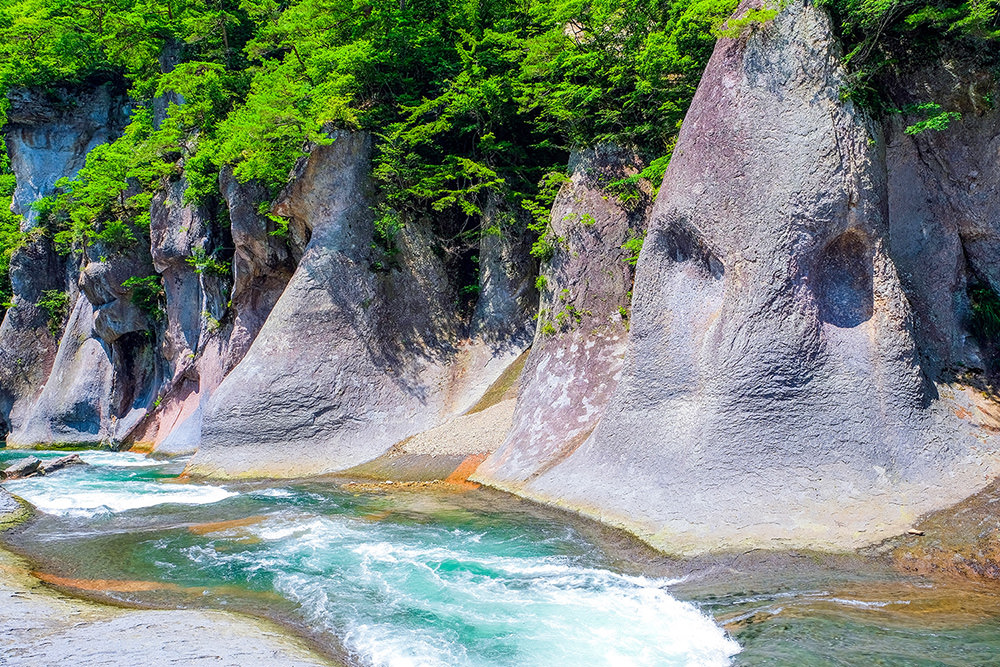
(62,462)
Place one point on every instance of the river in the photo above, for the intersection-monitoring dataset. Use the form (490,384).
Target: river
(470,577)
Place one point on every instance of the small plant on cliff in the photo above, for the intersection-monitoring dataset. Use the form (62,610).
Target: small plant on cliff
(147,295)
(56,303)
(11,237)
(208,264)
(985,305)
(632,248)
(936,118)
(752,19)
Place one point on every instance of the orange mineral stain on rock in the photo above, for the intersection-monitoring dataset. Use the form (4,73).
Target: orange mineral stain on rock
(460,476)
(105,585)
(142,447)
(219,526)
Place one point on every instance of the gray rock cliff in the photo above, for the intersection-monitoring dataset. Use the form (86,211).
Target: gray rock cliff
(576,358)
(352,359)
(48,136)
(771,393)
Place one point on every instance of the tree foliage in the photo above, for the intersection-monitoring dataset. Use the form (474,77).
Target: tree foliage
(469,101)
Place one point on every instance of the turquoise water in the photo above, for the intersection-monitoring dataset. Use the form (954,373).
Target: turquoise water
(419,578)
(411,579)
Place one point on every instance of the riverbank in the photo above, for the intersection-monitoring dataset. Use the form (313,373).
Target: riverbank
(41,626)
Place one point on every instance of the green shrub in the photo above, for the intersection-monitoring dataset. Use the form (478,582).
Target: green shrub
(632,248)
(147,295)
(56,303)
(208,264)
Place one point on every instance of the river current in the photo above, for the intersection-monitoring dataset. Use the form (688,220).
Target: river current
(407,577)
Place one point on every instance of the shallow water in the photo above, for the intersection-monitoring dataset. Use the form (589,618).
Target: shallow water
(421,578)
(413,579)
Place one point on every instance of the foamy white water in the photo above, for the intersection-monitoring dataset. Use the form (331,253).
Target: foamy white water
(120,459)
(101,488)
(416,582)
(89,499)
(446,600)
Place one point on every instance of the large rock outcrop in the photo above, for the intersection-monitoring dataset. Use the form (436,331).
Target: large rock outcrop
(48,135)
(944,214)
(771,393)
(357,353)
(211,316)
(574,364)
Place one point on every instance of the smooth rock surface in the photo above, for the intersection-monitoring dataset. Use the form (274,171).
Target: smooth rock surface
(771,393)
(357,354)
(574,363)
(23,468)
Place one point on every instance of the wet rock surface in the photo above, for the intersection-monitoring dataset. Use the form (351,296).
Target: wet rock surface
(960,541)
(26,467)
(41,627)
(32,465)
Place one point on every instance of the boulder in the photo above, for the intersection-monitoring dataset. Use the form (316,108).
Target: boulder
(62,462)
(26,467)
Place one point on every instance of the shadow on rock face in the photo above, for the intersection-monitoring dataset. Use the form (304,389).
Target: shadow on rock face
(844,282)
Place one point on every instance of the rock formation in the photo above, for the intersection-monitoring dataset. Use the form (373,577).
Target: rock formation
(353,357)
(48,137)
(576,357)
(943,211)
(771,393)
(786,373)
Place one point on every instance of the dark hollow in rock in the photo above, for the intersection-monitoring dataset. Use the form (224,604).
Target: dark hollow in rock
(844,282)
(682,242)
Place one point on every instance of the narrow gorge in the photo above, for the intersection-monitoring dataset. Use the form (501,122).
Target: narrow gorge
(774,328)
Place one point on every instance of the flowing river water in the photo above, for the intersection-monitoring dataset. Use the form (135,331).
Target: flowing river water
(470,578)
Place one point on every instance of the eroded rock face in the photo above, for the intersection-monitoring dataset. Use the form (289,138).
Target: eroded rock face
(352,358)
(771,393)
(48,136)
(262,263)
(944,213)
(575,361)
(75,404)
